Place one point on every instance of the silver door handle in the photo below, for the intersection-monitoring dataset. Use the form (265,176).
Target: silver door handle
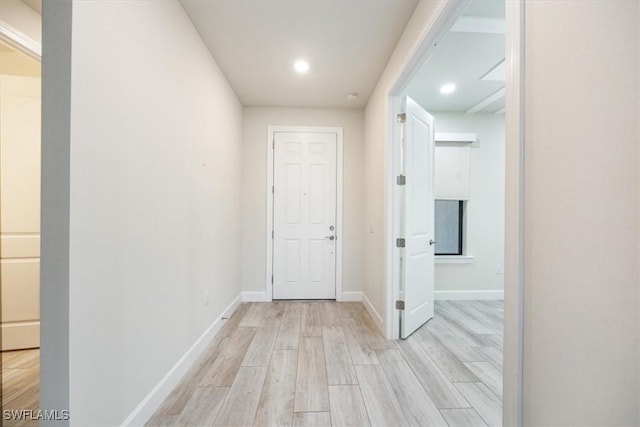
(330,237)
(432,242)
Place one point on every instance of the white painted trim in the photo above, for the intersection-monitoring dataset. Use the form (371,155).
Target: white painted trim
(454,259)
(20,41)
(514,215)
(353,296)
(377,319)
(487,101)
(445,15)
(20,335)
(148,406)
(456,137)
(260,296)
(271,130)
(479,24)
(469,295)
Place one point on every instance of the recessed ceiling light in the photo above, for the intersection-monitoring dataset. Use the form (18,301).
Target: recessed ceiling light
(301,66)
(447,88)
(351,96)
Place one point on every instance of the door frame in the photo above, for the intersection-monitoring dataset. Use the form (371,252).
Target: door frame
(514,261)
(271,131)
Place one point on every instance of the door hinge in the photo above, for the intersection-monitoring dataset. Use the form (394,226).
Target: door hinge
(273,189)
(272,279)
(402,118)
(273,144)
(401,180)
(400,243)
(399,305)
(272,234)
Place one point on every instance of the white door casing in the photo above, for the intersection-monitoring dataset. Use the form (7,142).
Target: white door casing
(304,215)
(418,255)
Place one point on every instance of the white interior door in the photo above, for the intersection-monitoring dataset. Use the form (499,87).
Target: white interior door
(304,215)
(418,256)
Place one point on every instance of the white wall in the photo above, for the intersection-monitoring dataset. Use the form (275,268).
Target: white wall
(484,210)
(582,218)
(155,163)
(254,205)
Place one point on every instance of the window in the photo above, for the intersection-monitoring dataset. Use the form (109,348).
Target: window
(449,227)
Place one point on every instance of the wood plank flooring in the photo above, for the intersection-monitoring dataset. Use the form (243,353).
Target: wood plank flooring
(324,363)
(20,384)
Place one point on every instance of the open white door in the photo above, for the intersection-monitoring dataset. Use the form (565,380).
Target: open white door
(418,256)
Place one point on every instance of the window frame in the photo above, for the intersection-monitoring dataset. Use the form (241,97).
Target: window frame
(460,232)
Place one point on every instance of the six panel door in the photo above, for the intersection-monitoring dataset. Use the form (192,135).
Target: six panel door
(304,215)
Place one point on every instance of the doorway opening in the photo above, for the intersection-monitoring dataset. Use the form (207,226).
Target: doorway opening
(20,105)
(466,75)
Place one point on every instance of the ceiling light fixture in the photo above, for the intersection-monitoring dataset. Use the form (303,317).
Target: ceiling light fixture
(301,66)
(447,88)
(351,96)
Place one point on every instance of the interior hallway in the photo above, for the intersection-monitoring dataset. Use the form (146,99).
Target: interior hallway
(325,363)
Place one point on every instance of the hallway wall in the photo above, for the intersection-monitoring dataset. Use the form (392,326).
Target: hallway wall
(582,220)
(254,208)
(154,212)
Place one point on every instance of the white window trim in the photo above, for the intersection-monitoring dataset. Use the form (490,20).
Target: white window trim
(454,259)
(469,138)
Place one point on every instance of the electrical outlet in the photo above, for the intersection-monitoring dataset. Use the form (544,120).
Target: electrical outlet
(206,297)
(499,269)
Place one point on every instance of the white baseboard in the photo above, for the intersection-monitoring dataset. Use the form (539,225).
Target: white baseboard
(373,313)
(20,335)
(261,296)
(145,409)
(254,296)
(468,295)
(351,296)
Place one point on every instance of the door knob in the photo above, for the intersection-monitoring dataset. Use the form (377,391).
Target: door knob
(432,242)
(330,237)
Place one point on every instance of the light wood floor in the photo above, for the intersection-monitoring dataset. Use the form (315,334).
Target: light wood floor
(20,383)
(325,363)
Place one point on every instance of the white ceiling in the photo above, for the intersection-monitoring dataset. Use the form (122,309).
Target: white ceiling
(473,47)
(347,43)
